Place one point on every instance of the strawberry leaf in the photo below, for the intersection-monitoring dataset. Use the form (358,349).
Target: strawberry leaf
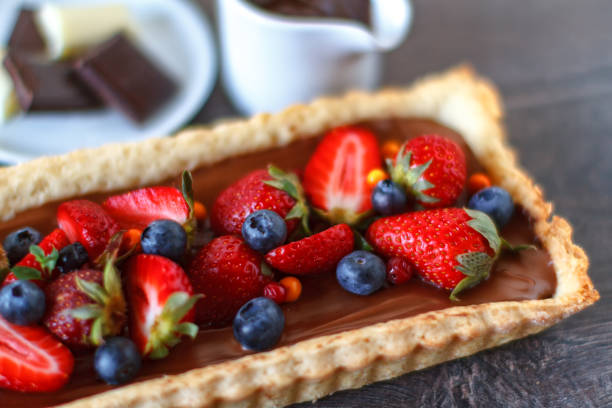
(86,312)
(188,329)
(93,290)
(411,177)
(361,242)
(166,330)
(476,266)
(26,273)
(485,226)
(47,262)
(111,250)
(97,332)
(290,184)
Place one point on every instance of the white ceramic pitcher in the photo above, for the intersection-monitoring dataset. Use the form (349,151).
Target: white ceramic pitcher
(270,61)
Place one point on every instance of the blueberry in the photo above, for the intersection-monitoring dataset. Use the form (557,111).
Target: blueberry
(164,237)
(361,272)
(259,323)
(264,230)
(389,198)
(117,360)
(17,243)
(71,257)
(22,303)
(495,202)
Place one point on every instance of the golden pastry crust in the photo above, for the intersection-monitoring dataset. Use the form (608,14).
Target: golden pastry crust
(313,368)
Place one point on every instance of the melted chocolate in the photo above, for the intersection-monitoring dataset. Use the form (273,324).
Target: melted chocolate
(324,308)
(357,10)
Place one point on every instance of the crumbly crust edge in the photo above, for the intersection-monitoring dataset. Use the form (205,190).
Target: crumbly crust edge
(314,368)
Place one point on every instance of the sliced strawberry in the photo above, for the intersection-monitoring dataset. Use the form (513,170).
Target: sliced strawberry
(31,359)
(86,222)
(57,240)
(228,273)
(161,304)
(335,178)
(315,254)
(139,208)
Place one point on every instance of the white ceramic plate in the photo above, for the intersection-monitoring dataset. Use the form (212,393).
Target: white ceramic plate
(174,33)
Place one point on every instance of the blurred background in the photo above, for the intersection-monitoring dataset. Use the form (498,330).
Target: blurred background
(552,62)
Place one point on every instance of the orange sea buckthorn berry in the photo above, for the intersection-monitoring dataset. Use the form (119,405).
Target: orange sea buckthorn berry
(376,175)
(477,182)
(293,286)
(390,148)
(199,210)
(131,239)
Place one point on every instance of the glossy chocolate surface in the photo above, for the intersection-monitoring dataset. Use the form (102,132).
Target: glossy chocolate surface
(358,10)
(124,77)
(324,308)
(25,37)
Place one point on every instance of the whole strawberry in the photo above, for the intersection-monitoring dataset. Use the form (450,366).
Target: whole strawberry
(85,305)
(453,248)
(228,273)
(431,168)
(317,253)
(270,189)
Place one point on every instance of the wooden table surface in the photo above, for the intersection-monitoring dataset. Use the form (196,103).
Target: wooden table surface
(552,60)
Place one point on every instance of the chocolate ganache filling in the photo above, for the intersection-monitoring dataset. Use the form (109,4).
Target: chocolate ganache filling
(324,307)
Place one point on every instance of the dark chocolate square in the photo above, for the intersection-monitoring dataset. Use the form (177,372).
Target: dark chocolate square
(44,85)
(25,37)
(125,78)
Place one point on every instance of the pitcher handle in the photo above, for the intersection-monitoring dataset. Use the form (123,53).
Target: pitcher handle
(391,22)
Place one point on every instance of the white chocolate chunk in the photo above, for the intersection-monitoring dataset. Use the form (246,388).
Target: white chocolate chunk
(8,99)
(70,29)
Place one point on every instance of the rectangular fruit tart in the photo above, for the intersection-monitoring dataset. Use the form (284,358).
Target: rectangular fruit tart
(281,258)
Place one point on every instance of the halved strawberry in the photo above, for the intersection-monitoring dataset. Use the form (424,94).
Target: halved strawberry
(88,223)
(335,178)
(161,304)
(45,264)
(315,254)
(137,209)
(31,359)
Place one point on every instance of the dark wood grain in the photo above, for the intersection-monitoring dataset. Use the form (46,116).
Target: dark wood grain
(552,60)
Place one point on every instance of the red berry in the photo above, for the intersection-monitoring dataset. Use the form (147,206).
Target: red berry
(399,270)
(433,169)
(251,193)
(138,208)
(317,253)
(335,178)
(88,223)
(453,248)
(31,359)
(156,321)
(276,292)
(228,273)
